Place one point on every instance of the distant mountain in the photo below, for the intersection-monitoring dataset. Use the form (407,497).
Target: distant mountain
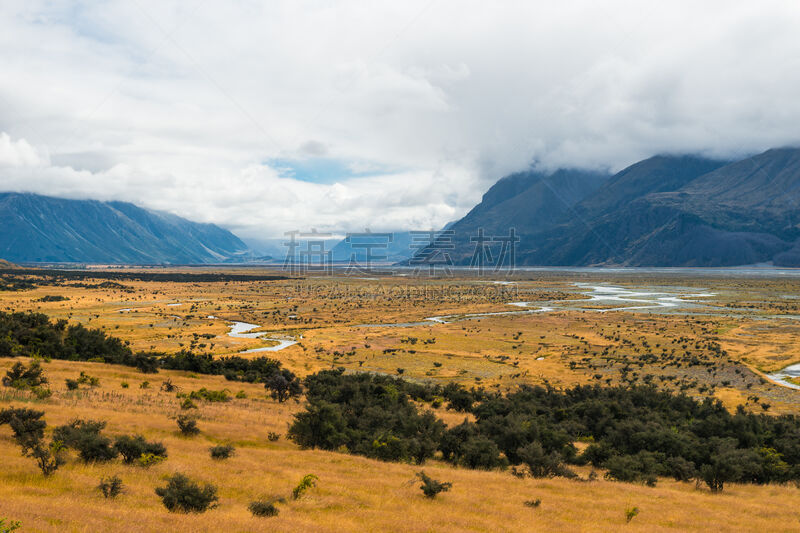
(530,202)
(5,265)
(45,229)
(663,211)
(390,247)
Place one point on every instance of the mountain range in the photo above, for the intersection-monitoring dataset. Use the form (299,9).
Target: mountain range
(668,210)
(664,211)
(39,228)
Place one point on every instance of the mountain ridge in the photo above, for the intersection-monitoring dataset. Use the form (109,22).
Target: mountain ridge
(667,210)
(41,228)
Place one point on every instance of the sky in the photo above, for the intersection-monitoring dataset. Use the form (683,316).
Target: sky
(267,117)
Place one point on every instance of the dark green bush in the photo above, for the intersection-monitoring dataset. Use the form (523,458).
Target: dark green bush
(283,385)
(431,487)
(184,495)
(188,425)
(28,429)
(85,437)
(221,451)
(263,508)
(21,377)
(132,447)
(210,395)
(542,464)
(110,487)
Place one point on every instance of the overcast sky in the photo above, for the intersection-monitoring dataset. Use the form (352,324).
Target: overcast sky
(269,116)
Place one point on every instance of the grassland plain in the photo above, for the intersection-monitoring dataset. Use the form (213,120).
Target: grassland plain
(334,320)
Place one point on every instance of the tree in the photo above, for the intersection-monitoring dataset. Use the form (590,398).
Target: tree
(133,447)
(184,495)
(283,385)
(188,425)
(431,487)
(85,437)
(542,464)
(722,468)
(320,426)
(21,377)
(28,429)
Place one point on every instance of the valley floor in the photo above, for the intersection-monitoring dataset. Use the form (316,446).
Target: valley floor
(333,322)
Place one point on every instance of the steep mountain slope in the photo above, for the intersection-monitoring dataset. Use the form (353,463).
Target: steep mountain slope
(663,211)
(597,228)
(530,202)
(41,228)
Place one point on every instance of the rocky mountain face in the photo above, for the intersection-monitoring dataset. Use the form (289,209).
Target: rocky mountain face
(663,211)
(39,228)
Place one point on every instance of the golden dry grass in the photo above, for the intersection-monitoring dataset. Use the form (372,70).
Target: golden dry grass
(354,493)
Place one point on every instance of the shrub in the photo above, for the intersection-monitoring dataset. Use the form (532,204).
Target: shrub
(41,393)
(124,385)
(21,377)
(681,469)
(168,386)
(264,508)
(221,452)
(188,404)
(111,487)
(723,468)
(26,424)
(630,513)
(28,429)
(542,464)
(481,452)
(241,395)
(188,425)
(9,527)
(210,395)
(146,460)
(533,503)
(86,379)
(431,487)
(131,448)
(308,481)
(72,384)
(144,385)
(273,436)
(283,385)
(184,495)
(84,436)
(48,458)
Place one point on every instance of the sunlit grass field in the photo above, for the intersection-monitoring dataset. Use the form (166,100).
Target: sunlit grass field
(333,320)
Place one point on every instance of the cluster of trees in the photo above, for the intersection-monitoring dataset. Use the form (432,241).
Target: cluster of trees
(84,436)
(55,275)
(635,433)
(33,334)
(369,415)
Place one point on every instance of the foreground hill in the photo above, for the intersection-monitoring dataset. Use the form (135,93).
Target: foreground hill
(352,494)
(44,229)
(663,211)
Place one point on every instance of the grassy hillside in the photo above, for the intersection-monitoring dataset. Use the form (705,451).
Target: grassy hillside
(353,493)
(329,318)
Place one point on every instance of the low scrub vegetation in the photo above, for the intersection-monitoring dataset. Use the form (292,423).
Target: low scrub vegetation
(637,433)
(181,494)
(223,451)
(110,487)
(431,487)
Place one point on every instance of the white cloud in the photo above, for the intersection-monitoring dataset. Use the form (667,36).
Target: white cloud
(17,153)
(177,106)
